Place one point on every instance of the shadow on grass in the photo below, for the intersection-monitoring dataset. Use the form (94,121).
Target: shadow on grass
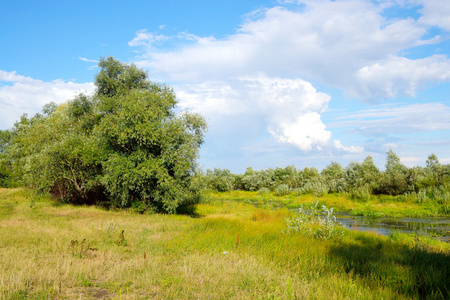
(58,204)
(409,270)
(188,210)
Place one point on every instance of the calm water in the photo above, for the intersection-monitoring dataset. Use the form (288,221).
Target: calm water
(439,227)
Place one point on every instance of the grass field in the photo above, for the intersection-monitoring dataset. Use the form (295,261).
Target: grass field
(222,249)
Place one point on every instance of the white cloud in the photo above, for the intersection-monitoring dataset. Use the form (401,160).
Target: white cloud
(27,95)
(346,43)
(14,77)
(306,132)
(147,39)
(352,149)
(290,108)
(398,75)
(396,119)
(410,161)
(87,60)
(435,13)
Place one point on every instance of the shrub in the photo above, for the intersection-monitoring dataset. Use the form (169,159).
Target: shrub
(419,197)
(313,187)
(221,180)
(282,190)
(360,193)
(263,191)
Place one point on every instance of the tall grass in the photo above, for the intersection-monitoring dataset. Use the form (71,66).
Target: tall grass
(221,250)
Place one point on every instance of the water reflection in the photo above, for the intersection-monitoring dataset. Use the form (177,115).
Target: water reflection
(438,227)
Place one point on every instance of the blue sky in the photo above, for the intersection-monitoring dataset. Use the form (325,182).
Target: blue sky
(280,83)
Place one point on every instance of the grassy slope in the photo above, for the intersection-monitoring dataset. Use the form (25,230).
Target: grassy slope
(231,250)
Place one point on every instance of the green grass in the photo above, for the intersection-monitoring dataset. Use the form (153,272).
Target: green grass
(379,206)
(218,250)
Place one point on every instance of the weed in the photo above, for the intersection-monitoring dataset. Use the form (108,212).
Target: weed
(121,241)
(418,243)
(320,223)
(32,203)
(395,235)
(80,249)
(85,282)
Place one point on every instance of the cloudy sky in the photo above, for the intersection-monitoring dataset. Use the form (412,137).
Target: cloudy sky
(280,83)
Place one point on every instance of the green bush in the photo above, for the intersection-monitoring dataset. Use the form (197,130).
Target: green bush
(313,187)
(282,190)
(221,180)
(263,191)
(360,194)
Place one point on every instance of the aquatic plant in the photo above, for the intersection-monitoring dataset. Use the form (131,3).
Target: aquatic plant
(319,222)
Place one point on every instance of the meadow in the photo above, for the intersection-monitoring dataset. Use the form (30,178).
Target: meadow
(223,248)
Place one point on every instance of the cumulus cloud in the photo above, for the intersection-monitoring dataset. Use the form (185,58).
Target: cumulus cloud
(14,77)
(399,75)
(290,108)
(342,43)
(349,44)
(27,95)
(305,132)
(435,13)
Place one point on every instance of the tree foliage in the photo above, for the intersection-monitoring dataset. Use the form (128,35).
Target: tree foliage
(123,146)
(359,180)
(6,173)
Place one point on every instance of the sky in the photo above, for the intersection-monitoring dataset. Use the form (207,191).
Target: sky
(280,83)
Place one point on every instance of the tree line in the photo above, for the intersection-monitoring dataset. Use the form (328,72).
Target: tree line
(359,180)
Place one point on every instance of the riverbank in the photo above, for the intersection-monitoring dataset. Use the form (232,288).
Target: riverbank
(376,206)
(216,250)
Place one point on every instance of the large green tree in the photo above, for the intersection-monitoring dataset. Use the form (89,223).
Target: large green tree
(124,145)
(5,163)
(394,181)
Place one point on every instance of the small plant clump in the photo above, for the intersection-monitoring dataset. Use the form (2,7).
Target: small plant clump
(80,250)
(121,241)
(319,223)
